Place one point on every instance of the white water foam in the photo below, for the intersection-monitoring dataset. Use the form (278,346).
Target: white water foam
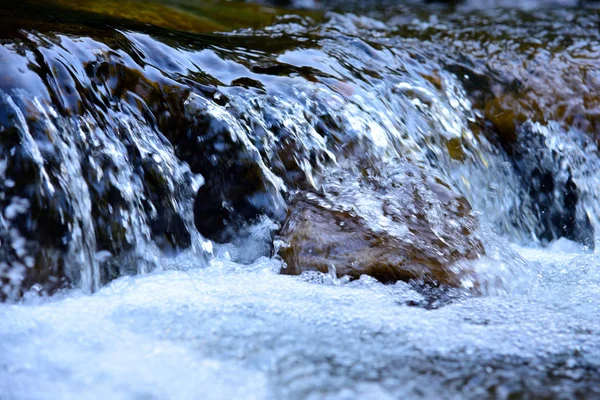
(245,332)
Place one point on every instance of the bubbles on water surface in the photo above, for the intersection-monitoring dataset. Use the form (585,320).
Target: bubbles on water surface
(284,119)
(281,336)
(340,98)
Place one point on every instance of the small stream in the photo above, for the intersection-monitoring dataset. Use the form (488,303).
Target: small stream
(217,200)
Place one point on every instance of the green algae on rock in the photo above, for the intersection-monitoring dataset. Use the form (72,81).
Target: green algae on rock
(206,16)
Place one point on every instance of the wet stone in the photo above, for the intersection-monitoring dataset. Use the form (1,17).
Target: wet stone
(401,227)
(76,188)
(238,186)
(551,177)
(132,110)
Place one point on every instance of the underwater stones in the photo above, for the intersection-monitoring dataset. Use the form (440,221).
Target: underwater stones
(172,16)
(548,72)
(72,189)
(238,185)
(554,182)
(400,227)
(36,211)
(518,105)
(148,12)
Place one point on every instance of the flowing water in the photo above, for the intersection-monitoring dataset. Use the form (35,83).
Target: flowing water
(150,152)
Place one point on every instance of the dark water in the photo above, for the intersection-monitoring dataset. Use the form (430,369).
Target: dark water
(179,138)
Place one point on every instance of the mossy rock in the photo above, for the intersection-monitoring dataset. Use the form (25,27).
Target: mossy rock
(206,16)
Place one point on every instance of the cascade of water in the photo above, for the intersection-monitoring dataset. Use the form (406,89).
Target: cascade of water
(147,140)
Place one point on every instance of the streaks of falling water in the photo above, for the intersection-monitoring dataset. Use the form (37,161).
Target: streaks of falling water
(93,181)
(107,136)
(140,121)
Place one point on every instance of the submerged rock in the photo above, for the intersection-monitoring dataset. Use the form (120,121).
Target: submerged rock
(128,136)
(239,187)
(555,184)
(84,201)
(400,227)
(183,16)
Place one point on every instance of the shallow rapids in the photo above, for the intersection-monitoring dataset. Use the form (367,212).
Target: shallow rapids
(166,165)
(242,331)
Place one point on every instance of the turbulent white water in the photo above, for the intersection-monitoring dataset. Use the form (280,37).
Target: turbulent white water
(524,324)
(238,331)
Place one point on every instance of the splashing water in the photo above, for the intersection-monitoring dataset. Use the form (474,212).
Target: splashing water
(153,168)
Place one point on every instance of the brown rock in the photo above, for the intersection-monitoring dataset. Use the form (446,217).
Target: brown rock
(412,228)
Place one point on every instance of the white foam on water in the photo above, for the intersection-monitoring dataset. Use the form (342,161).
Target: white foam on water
(234,330)
(245,332)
